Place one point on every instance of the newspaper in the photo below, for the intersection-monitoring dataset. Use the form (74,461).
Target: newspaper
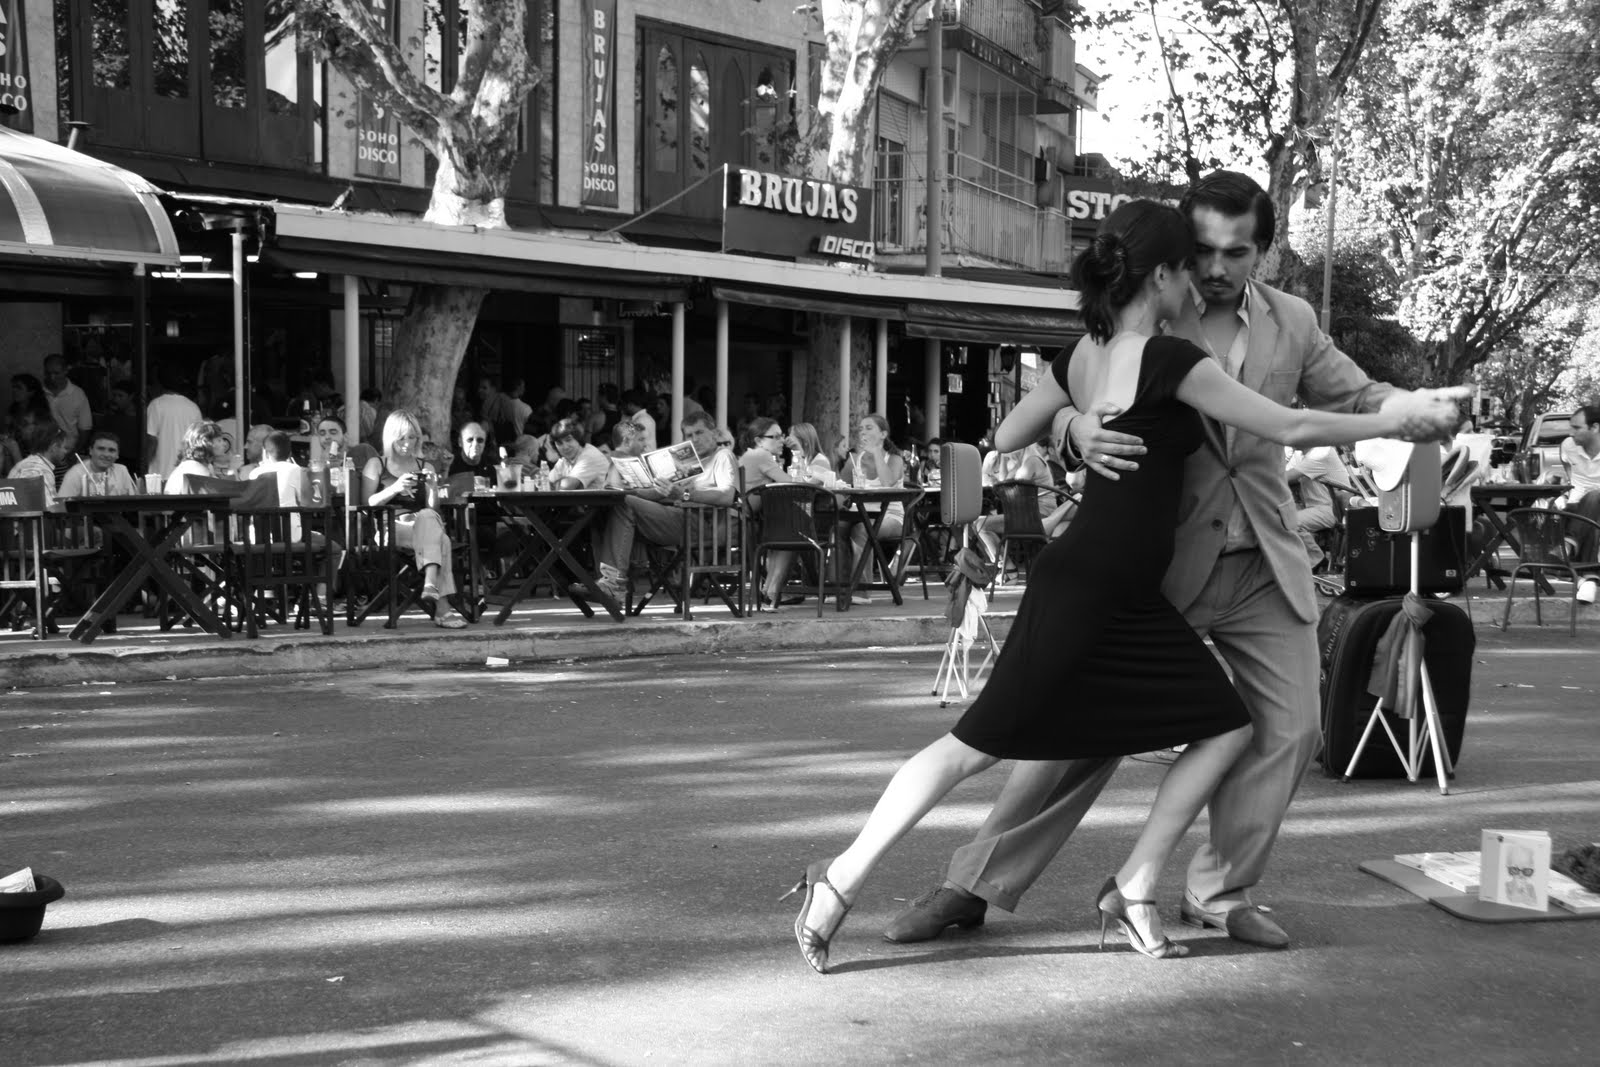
(675,463)
(19,882)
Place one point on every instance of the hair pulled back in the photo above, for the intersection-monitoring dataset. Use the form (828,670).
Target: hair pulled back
(1133,241)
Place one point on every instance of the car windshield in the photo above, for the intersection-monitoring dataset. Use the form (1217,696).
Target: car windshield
(1553,429)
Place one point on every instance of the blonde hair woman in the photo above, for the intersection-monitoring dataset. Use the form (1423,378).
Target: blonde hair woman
(203,445)
(396,478)
(876,463)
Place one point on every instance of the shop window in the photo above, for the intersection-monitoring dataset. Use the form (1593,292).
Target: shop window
(113,62)
(227,37)
(281,48)
(704,101)
(170,44)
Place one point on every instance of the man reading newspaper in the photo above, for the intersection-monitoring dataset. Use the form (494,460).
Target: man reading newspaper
(651,512)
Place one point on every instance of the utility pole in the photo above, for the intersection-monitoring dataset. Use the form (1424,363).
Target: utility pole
(1333,205)
(933,207)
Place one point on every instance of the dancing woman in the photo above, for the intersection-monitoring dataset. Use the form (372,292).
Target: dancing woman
(1098,663)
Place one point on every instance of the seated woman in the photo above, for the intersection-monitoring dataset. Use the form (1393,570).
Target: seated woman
(762,465)
(805,448)
(200,455)
(396,478)
(1024,465)
(876,463)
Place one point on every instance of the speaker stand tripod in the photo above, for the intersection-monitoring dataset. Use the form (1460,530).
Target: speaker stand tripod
(1426,733)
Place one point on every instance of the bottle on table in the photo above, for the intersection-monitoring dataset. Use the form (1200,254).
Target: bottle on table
(542,479)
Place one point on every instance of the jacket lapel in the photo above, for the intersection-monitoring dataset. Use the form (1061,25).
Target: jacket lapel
(1263,342)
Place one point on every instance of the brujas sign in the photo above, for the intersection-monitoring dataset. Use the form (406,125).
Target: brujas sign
(777,215)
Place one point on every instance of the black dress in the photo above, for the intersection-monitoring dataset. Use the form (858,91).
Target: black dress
(1098,662)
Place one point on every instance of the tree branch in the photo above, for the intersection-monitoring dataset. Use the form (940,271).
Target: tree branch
(345,31)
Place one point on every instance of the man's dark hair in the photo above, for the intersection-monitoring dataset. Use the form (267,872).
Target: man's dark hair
(1233,194)
(1591,412)
(700,418)
(46,433)
(168,376)
(635,397)
(276,446)
(573,428)
(105,435)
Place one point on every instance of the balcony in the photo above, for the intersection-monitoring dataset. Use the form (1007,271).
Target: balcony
(979,222)
(1012,24)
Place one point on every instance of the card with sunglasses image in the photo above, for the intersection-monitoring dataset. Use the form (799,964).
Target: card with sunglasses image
(1515,869)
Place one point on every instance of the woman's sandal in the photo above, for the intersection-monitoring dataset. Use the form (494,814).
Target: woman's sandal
(430,594)
(814,943)
(449,620)
(1112,905)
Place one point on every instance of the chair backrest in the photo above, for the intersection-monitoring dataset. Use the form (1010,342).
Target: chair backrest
(21,495)
(1019,504)
(787,513)
(1548,535)
(461,485)
(960,483)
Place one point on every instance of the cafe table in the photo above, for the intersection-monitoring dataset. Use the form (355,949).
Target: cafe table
(149,530)
(870,507)
(546,523)
(1495,502)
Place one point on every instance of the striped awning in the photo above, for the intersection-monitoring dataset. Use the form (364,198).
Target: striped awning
(57,204)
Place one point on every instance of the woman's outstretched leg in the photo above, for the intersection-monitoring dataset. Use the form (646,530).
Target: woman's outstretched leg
(919,784)
(1187,787)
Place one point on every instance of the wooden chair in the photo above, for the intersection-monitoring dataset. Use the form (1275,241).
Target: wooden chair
(709,560)
(1019,505)
(783,516)
(280,557)
(381,576)
(1550,540)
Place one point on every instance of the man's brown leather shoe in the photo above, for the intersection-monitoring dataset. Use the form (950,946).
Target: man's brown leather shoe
(1246,923)
(934,912)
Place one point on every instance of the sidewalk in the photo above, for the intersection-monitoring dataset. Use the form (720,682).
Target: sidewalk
(545,630)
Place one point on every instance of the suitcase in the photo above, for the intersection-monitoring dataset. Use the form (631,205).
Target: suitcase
(1347,639)
(1379,563)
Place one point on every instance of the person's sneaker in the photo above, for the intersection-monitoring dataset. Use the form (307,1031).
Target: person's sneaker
(934,912)
(1587,590)
(614,588)
(860,598)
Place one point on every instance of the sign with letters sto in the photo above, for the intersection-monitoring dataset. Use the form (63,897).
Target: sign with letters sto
(599,103)
(777,215)
(377,129)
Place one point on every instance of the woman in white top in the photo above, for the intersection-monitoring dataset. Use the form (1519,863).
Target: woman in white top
(203,446)
(876,463)
(805,448)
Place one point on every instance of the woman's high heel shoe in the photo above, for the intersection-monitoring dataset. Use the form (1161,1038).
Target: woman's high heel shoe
(1112,905)
(814,943)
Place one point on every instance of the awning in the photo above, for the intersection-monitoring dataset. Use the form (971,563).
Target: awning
(57,204)
(790,300)
(1026,327)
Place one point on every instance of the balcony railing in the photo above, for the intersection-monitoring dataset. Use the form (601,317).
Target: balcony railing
(978,222)
(1011,24)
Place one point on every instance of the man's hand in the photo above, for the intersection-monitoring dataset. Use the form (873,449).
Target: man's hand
(1427,414)
(1105,451)
(662,488)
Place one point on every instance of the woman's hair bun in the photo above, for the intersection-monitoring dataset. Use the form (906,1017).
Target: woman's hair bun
(1106,260)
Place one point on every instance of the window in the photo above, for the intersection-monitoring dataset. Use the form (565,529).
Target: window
(704,101)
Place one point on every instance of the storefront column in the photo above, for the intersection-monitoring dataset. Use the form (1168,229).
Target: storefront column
(931,386)
(848,326)
(352,357)
(880,393)
(241,388)
(675,432)
(722,364)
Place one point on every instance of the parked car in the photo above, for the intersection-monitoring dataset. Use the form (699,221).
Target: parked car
(1545,436)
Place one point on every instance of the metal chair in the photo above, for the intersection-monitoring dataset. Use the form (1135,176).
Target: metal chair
(1550,540)
(784,516)
(709,557)
(23,577)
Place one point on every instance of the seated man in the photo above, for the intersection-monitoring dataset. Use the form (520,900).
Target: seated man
(104,450)
(1310,473)
(336,446)
(1580,454)
(651,514)
(581,466)
(48,446)
(253,440)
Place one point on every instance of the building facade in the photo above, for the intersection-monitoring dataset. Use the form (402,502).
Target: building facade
(220,99)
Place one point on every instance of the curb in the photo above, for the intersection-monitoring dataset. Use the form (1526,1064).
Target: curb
(239,658)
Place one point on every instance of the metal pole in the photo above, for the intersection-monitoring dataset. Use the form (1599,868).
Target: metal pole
(844,375)
(675,432)
(934,200)
(722,364)
(240,387)
(880,394)
(931,383)
(352,358)
(1333,205)
(141,355)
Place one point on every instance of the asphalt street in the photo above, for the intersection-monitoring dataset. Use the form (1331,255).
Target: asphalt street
(579,863)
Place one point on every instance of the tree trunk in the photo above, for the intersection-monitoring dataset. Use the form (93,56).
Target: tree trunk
(429,345)
(821,407)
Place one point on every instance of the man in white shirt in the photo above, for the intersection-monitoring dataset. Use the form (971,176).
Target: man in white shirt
(48,445)
(651,513)
(68,403)
(1310,472)
(581,466)
(105,448)
(636,411)
(1580,454)
(166,420)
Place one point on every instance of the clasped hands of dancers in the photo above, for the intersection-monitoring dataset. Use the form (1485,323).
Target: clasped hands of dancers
(1099,662)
